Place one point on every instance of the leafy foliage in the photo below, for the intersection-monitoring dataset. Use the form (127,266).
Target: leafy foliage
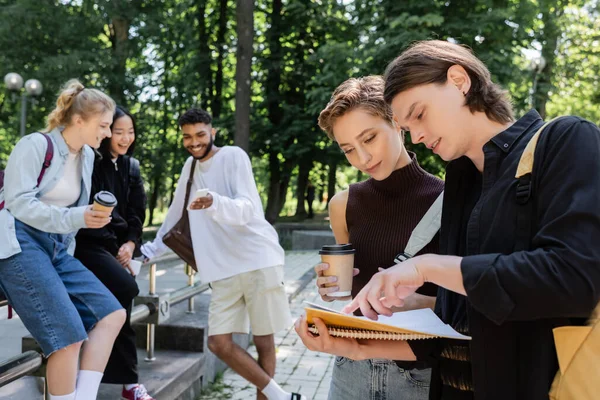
(160,57)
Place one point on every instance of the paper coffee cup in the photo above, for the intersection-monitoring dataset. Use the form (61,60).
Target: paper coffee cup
(104,201)
(340,258)
(135,266)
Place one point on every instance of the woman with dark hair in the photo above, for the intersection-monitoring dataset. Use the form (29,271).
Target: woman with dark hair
(108,252)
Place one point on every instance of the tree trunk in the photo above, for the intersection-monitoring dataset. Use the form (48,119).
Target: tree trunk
(274,111)
(272,209)
(245,33)
(279,181)
(303,172)
(549,41)
(218,99)
(331,180)
(205,58)
(119,36)
(153,197)
(274,66)
(287,168)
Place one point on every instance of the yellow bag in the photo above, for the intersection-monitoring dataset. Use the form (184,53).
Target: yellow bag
(578,350)
(577,347)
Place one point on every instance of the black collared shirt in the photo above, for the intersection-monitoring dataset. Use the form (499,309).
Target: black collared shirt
(515,298)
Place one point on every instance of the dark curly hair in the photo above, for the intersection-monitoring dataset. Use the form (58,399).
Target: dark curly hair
(194,116)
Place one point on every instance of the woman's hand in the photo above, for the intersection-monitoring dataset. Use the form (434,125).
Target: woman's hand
(125,255)
(96,219)
(325,343)
(323,280)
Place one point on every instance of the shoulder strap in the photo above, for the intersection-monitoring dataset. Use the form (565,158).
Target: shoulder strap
(45,165)
(424,231)
(47,158)
(188,188)
(524,190)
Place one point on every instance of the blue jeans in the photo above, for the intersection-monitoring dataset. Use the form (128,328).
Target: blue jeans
(57,298)
(377,379)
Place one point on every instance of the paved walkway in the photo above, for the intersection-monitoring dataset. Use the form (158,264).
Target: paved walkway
(298,369)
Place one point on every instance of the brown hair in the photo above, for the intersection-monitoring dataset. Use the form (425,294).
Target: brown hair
(365,93)
(428,61)
(76,99)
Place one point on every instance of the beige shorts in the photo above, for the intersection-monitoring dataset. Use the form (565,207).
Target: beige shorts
(254,299)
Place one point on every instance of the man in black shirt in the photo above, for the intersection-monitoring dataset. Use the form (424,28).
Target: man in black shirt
(517,263)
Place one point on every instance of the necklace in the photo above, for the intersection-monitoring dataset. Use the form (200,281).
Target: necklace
(71,148)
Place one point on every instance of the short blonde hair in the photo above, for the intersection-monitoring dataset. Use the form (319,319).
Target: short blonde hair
(76,99)
(364,93)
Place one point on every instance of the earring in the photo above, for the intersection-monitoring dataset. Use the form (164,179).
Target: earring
(465,94)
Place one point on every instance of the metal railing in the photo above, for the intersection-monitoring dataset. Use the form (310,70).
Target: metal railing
(19,366)
(158,306)
(154,308)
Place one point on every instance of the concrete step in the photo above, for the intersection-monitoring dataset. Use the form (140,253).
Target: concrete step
(183,331)
(311,240)
(174,375)
(187,332)
(26,388)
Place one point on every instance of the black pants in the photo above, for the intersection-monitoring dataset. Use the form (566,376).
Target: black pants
(100,259)
(310,208)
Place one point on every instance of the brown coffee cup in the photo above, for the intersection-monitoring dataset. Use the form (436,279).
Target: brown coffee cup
(104,201)
(340,258)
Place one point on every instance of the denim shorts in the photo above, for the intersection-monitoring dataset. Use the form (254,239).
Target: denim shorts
(377,379)
(57,298)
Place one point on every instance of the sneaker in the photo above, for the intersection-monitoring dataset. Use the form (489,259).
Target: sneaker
(138,392)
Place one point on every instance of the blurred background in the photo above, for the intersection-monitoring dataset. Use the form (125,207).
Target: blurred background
(266,68)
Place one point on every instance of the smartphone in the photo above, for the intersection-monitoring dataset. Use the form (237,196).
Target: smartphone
(201,193)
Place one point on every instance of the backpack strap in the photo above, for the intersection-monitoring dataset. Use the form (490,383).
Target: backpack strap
(525,190)
(424,231)
(45,165)
(47,158)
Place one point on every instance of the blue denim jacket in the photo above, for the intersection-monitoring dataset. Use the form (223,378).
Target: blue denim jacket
(22,196)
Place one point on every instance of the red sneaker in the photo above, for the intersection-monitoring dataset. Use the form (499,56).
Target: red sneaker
(138,392)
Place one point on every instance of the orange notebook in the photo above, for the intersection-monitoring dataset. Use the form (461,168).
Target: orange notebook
(405,325)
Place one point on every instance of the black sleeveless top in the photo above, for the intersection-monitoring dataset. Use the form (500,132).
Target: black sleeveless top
(380,217)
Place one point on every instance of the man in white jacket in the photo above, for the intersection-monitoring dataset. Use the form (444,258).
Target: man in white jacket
(236,250)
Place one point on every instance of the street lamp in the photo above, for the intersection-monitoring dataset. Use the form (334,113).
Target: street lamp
(33,88)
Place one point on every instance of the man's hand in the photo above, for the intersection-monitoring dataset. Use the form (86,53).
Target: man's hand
(387,289)
(96,219)
(202,202)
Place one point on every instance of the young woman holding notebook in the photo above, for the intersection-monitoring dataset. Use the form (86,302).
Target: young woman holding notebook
(519,253)
(377,216)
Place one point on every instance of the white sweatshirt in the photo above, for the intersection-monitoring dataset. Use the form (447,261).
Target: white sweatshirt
(232,236)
